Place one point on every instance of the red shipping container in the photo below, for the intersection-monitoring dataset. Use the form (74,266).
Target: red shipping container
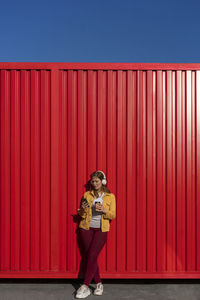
(140,124)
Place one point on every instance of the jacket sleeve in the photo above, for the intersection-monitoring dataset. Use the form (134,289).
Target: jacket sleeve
(81,211)
(111,214)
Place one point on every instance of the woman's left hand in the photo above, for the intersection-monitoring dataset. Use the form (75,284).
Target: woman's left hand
(100,207)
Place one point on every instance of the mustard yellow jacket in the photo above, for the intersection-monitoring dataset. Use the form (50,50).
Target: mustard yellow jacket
(108,202)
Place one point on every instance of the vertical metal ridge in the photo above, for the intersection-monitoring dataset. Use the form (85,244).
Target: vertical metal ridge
(66,84)
(198,162)
(193,169)
(141,171)
(190,181)
(175,100)
(25,170)
(10,174)
(35,169)
(55,176)
(149,168)
(106,120)
(146,186)
(50,210)
(116,161)
(45,169)
(195,150)
(185,148)
(129,94)
(15,169)
(5,206)
(67,167)
(156,170)
(154,136)
(161,173)
(77,156)
(165,162)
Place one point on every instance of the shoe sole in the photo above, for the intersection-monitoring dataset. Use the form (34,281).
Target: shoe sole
(80,297)
(98,294)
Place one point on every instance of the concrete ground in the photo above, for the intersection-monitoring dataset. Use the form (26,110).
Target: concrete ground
(140,289)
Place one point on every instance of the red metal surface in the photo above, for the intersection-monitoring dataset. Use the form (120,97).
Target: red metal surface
(140,124)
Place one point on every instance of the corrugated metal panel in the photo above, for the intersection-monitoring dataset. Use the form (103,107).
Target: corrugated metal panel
(141,126)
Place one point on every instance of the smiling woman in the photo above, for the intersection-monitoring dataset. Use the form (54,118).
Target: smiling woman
(94,227)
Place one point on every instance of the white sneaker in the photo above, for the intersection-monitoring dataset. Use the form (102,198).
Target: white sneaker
(99,289)
(83,291)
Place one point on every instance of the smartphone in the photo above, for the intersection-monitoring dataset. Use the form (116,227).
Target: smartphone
(97,202)
(84,200)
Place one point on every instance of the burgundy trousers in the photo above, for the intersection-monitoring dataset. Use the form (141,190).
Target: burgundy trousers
(92,241)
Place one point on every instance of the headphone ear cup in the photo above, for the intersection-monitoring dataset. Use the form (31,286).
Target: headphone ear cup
(104,181)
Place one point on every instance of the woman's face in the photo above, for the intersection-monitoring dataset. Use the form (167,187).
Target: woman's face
(96,183)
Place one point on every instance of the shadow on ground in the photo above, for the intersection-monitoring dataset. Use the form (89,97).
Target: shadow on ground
(140,289)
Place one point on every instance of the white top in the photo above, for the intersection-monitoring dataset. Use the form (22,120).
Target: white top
(96,215)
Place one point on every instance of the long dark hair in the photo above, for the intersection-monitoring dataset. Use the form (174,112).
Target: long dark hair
(103,187)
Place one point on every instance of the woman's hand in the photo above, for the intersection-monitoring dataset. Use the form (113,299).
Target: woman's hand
(84,205)
(101,208)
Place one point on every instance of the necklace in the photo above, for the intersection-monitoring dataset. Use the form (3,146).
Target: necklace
(100,194)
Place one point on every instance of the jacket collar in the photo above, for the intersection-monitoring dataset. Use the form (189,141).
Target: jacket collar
(92,192)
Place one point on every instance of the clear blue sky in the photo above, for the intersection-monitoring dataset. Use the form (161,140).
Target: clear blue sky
(100,31)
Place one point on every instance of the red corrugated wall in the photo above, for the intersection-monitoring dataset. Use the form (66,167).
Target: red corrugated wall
(140,124)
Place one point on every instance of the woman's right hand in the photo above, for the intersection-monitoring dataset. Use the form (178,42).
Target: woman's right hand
(84,205)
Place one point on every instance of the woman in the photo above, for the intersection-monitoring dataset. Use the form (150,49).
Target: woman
(94,226)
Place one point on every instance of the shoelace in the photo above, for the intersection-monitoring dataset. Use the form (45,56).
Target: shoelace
(99,286)
(83,288)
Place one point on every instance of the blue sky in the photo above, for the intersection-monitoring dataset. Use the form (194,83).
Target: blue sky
(100,31)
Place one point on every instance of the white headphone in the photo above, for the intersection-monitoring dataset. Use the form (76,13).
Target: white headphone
(104,181)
